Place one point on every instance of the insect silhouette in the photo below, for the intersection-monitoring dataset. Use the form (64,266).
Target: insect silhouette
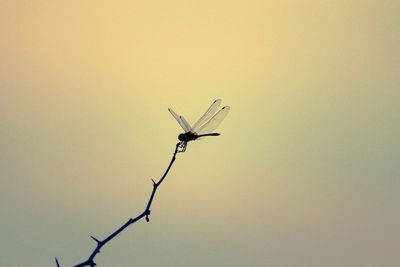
(203,127)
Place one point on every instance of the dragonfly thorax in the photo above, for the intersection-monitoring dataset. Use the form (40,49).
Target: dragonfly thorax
(187,136)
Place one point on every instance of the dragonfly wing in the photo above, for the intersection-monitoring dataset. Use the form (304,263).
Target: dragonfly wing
(178,119)
(215,121)
(207,115)
(187,125)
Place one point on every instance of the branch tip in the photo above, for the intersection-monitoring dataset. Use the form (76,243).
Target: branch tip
(58,265)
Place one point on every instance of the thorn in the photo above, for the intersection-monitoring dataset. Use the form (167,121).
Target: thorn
(58,265)
(154,183)
(95,239)
(147,215)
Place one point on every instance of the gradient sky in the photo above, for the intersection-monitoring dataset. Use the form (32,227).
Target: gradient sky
(305,172)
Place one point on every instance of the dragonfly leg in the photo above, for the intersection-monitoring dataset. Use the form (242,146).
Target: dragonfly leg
(182,147)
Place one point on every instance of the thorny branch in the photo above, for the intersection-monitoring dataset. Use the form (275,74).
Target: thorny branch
(145,213)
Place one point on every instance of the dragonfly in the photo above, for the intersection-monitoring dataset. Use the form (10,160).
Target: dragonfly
(203,127)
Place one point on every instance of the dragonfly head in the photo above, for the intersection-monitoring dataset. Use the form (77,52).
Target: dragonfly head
(182,137)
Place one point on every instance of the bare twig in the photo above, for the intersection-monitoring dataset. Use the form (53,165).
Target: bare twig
(145,213)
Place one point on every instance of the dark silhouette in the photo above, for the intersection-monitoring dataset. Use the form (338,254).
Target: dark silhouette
(203,127)
(145,213)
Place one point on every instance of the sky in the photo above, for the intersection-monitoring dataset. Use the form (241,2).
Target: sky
(305,171)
